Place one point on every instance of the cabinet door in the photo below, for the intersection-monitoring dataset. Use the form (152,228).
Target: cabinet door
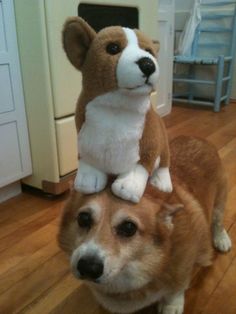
(15,161)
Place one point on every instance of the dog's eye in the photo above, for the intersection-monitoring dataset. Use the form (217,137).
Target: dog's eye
(85,220)
(113,48)
(126,229)
(149,51)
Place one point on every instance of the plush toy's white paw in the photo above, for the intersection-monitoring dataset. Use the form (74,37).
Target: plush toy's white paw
(161,179)
(131,186)
(173,306)
(89,179)
(222,241)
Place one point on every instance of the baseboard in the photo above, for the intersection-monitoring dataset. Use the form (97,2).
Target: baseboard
(10,191)
(57,188)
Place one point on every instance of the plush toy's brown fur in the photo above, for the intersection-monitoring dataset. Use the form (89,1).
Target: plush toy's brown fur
(86,51)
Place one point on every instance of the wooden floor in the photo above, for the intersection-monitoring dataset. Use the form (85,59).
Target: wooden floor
(34,273)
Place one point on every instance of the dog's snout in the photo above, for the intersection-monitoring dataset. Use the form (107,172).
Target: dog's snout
(90,267)
(146,65)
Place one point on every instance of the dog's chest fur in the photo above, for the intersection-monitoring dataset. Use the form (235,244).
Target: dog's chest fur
(128,305)
(109,138)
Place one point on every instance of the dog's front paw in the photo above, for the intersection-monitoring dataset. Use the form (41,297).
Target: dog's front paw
(89,179)
(131,186)
(222,241)
(170,309)
(175,305)
(161,180)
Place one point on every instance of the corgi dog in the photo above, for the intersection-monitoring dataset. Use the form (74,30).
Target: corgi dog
(133,255)
(119,133)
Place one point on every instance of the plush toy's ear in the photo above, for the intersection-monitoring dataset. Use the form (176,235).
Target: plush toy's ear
(168,211)
(156,44)
(77,36)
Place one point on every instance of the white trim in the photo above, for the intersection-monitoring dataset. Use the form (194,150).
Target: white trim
(16,116)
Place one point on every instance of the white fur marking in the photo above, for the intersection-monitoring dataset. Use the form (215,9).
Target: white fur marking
(87,248)
(172,305)
(109,138)
(89,179)
(128,306)
(131,36)
(130,186)
(129,75)
(157,162)
(222,241)
(161,179)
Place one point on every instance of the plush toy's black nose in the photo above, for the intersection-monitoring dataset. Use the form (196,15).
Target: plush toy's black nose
(90,267)
(146,65)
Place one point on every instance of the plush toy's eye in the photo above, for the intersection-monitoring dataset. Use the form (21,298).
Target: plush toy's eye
(149,50)
(126,229)
(113,48)
(85,220)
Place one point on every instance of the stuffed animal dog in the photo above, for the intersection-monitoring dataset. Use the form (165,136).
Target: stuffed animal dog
(118,131)
(132,257)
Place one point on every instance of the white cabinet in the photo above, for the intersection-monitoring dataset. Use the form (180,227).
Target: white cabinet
(15,161)
(166,38)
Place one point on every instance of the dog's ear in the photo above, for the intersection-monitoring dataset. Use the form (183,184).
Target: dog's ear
(167,213)
(77,36)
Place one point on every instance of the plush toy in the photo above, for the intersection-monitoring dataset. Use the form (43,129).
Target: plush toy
(119,133)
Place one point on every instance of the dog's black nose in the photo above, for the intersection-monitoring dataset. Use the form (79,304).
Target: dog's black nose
(90,267)
(146,65)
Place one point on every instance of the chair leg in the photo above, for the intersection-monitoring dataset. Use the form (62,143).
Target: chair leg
(219,83)
(191,76)
(229,83)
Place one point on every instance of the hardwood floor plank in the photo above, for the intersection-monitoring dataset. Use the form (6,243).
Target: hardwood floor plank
(81,301)
(22,206)
(177,116)
(228,148)
(223,298)
(24,249)
(223,135)
(26,230)
(202,123)
(32,286)
(34,274)
(205,283)
(53,297)
(230,212)
(28,264)
(25,225)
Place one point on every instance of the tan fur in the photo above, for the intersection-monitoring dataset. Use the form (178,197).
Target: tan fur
(146,43)
(154,142)
(98,72)
(167,251)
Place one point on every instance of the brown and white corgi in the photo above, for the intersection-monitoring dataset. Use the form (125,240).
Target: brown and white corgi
(119,133)
(133,255)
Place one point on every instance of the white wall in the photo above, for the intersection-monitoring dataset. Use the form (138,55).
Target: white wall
(182,9)
(183,4)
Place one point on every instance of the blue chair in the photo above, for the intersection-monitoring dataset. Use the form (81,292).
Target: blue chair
(214,45)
